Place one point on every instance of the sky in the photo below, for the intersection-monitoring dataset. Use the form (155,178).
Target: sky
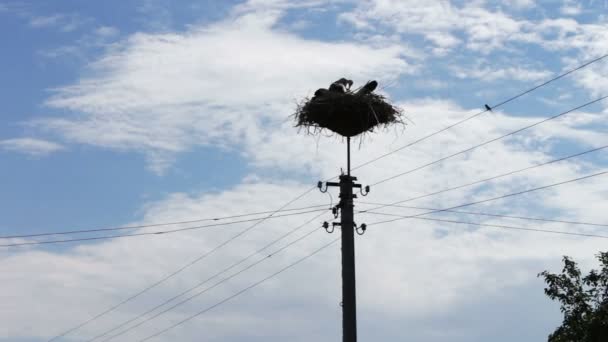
(121,113)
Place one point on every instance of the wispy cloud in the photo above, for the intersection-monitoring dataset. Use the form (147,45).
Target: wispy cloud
(571,8)
(520,4)
(97,40)
(59,21)
(106,31)
(487,74)
(30,146)
(45,21)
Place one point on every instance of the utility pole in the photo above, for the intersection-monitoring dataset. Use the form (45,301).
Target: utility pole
(348,227)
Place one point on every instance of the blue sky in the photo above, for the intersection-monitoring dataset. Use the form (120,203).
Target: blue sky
(148,111)
(103,178)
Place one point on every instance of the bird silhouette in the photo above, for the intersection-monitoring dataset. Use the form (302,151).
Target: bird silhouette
(368,87)
(341,85)
(488,108)
(347,83)
(337,87)
(321,92)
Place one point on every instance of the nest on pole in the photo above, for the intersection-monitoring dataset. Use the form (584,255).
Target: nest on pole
(345,112)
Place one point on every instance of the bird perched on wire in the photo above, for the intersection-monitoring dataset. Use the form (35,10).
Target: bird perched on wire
(368,87)
(488,108)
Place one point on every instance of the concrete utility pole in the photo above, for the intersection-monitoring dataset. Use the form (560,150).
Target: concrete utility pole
(348,227)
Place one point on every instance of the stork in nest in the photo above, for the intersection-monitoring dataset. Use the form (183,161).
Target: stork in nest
(340,86)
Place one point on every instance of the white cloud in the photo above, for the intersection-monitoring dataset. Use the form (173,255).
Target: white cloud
(148,94)
(45,21)
(477,26)
(418,265)
(430,84)
(107,31)
(100,38)
(482,29)
(520,4)
(30,146)
(166,93)
(230,84)
(155,15)
(487,74)
(64,22)
(570,7)
(355,20)
(261,5)
(441,23)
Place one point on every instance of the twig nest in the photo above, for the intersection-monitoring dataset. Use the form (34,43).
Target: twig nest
(345,112)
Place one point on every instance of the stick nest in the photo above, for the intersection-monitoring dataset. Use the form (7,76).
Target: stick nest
(347,114)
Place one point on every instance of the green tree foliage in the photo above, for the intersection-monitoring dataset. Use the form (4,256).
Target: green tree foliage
(583,299)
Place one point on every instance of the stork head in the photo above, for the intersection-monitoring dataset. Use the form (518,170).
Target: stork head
(346,83)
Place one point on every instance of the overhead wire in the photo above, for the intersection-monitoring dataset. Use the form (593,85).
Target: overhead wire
(452,221)
(488,199)
(490,141)
(539,230)
(583,223)
(438,132)
(492,199)
(182,268)
(96,230)
(162,232)
(535,124)
(357,167)
(195,295)
(434,211)
(209,308)
(232,266)
(553,161)
(549,162)
(502,103)
(215,275)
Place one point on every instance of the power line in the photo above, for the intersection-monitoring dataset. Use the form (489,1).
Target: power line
(490,141)
(415,216)
(171,275)
(209,308)
(492,215)
(482,112)
(357,167)
(504,174)
(349,171)
(453,221)
(205,281)
(81,231)
(489,199)
(477,114)
(309,190)
(492,225)
(191,297)
(162,232)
